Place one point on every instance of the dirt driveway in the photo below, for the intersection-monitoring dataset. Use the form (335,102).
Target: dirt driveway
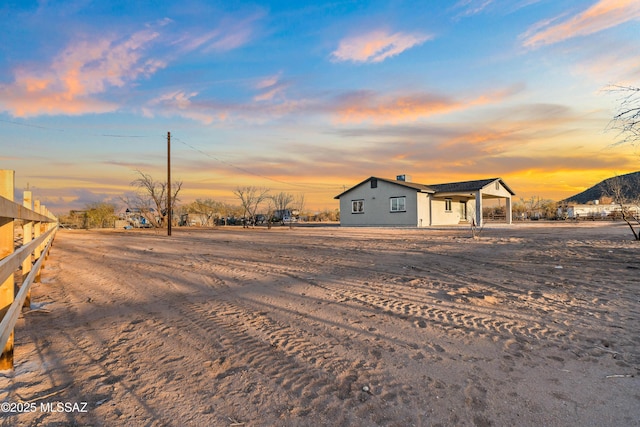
(529,325)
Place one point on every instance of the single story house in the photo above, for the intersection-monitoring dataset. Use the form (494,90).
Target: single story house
(595,210)
(400,202)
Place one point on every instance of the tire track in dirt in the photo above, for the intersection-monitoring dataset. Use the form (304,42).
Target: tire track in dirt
(545,282)
(515,329)
(243,333)
(554,316)
(307,366)
(453,285)
(251,343)
(450,315)
(557,323)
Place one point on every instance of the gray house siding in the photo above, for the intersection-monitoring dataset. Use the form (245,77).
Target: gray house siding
(376,204)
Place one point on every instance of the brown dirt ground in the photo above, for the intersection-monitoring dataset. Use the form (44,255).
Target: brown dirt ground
(530,325)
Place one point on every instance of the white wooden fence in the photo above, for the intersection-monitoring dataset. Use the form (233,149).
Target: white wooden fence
(38,230)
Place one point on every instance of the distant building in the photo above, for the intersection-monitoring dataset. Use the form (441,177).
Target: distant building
(594,210)
(281,214)
(136,217)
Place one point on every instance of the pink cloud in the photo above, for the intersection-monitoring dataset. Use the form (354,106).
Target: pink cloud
(604,14)
(270,88)
(82,70)
(191,42)
(234,40)
(472,7)
(376,46)
(269,94)
(179,103)
(230,34)
(268,82)
(177,99)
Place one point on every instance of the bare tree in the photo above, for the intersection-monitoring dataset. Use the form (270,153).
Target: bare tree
(250,198)
(627,121)
(298,205)
(269,213)
(617,189)
(476,230)
(151,198)
(627,118)
(299,202)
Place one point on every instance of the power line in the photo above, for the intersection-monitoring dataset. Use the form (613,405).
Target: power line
(30,126)
(245,170)
(109,135)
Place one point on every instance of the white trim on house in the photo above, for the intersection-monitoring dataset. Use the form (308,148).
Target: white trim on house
(357,206)
(398,204)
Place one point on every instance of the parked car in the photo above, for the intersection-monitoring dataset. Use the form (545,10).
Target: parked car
(289,219)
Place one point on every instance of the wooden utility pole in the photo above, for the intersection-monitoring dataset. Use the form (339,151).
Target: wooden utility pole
(169,213)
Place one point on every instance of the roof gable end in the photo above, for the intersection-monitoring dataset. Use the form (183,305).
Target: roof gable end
(412,185)
(468,186)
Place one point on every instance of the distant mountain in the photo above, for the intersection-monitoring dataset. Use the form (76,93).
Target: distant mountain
(630,184)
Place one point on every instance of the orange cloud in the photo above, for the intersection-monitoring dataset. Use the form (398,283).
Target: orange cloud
(604,14)
(486,142)
(364,106)
(408,108)
(82,70)
(376,46)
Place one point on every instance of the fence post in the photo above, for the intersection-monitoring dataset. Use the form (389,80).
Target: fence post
(44,227)
(37,230)
(7,292)
(27,236)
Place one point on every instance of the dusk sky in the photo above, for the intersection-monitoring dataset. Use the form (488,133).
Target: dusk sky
(310,97)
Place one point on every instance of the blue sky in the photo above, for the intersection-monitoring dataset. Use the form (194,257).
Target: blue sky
(310,97)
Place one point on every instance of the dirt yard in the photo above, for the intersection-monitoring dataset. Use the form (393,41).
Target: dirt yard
(529,325)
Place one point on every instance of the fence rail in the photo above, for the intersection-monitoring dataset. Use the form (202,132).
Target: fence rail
(39,227)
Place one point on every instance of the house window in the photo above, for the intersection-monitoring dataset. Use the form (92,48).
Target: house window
(374,183)
(398,204)
(357,206)
(497,185)
(447,205)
